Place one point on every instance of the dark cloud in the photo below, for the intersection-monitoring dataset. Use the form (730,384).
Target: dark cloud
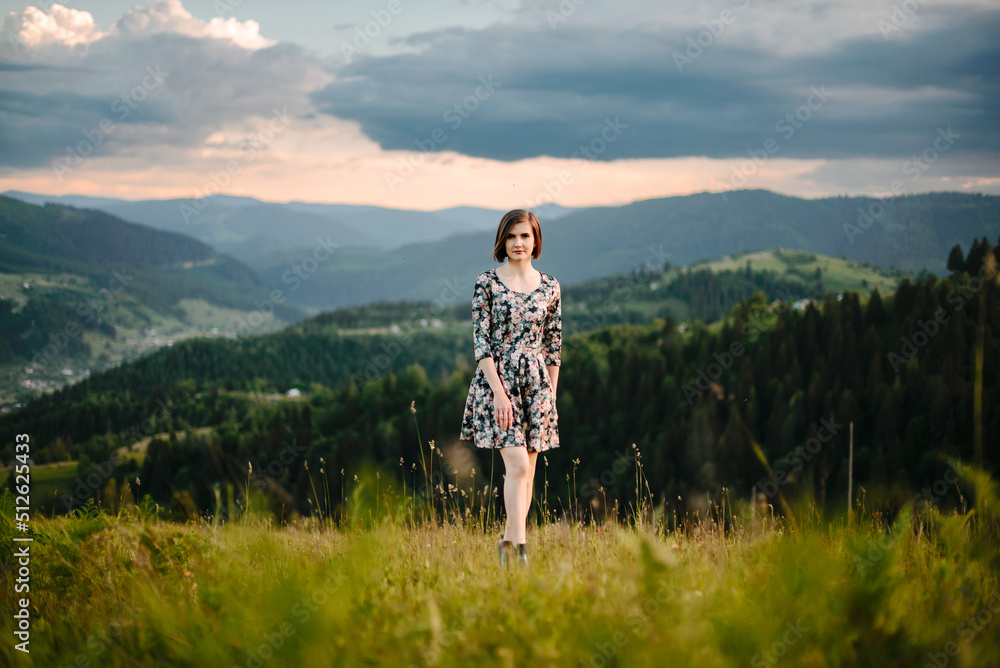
(557,88)
(201,84)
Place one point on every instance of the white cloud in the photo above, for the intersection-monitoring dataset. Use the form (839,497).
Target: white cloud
(224,79)
(170,16)
(158,77)
(48,33)
(37,28)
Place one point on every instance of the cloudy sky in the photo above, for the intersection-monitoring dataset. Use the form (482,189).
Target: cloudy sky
(433,103)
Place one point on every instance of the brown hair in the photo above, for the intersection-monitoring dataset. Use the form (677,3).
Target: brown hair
(509,220)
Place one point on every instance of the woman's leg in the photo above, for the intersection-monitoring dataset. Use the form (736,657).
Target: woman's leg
(516,465)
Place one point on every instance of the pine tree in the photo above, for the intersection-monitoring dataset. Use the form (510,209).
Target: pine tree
(956,259)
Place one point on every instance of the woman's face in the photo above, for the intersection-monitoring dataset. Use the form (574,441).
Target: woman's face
(520,238)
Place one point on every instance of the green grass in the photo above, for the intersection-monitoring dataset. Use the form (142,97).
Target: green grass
(47,480)
(381,585)
(837,274)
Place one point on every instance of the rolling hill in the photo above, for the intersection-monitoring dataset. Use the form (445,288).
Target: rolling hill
(334,346)
(705,405)
(578,245)
(602,241)
(80,289)
(251,230)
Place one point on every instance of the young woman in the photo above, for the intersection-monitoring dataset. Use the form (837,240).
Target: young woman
(517,336)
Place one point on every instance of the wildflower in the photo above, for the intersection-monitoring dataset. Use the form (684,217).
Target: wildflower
(413,406)
(137,480)
(306,462)
(251,468)
(355,477)
(432,444)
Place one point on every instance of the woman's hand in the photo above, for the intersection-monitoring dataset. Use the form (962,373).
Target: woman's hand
(503,410)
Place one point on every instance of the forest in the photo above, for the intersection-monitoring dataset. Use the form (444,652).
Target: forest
(767,399)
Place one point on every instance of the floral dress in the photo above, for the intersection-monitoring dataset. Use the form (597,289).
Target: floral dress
(522,332)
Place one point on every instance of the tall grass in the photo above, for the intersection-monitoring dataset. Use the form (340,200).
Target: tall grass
(408,577)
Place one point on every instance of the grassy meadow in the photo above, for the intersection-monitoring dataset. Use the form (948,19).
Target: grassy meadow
(838,274)
(380,584)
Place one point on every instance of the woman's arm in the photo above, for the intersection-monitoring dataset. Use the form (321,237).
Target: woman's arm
(503,409)
(482,316)
(489,368)
(482,334)
(552,338)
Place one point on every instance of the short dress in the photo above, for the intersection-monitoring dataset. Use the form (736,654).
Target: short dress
(522,332)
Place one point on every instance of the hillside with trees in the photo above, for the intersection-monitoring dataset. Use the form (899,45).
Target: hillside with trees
(77,284)
(765,395)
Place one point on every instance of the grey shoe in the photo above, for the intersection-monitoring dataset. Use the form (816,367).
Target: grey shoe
(504,548)
(522,554)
